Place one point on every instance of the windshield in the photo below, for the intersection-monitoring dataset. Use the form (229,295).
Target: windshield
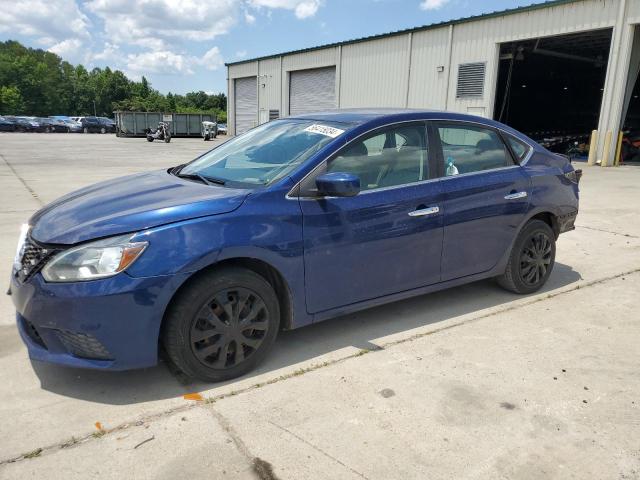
(265,153)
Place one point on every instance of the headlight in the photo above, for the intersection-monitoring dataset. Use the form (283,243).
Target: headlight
(91,261)
(17,261)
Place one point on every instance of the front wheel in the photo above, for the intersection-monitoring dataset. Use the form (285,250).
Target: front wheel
(167,139)
(531,260)
(149,139)
(222,325)
(103,130)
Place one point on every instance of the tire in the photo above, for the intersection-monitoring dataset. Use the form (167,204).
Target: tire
(85,130)
(206,137)
(211,304)
(103,130)
(531,260)
(167,139)
(149,139)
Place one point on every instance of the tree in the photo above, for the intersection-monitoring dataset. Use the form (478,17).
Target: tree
(37,82)
(10,100)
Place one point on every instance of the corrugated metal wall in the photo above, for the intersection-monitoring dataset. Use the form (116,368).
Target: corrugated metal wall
(269,81)
(404,70)
(375,74)
(428,86)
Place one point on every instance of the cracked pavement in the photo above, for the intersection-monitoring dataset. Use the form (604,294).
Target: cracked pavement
(471,382)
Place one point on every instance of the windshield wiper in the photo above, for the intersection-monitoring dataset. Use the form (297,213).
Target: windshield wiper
(203,178)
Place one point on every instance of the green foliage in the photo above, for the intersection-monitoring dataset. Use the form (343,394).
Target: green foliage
(10,100)
(40,83)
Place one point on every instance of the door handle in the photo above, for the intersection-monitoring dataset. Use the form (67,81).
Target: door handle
(515,196)
(424,211)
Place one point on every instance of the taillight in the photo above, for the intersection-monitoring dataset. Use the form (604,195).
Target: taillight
(574,175)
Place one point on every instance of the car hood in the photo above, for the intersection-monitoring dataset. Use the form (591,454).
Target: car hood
(129,204)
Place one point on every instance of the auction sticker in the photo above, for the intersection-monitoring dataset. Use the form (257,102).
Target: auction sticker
(324,130)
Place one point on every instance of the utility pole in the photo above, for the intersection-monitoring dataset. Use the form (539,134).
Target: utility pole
(94,109)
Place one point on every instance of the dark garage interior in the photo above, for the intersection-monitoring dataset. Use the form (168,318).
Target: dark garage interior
(551,88)
(630,146)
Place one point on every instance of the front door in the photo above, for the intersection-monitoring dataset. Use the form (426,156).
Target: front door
(386,239)
(486,196)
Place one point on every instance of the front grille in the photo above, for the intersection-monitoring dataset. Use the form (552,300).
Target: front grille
(33,333)
(83,345)
(34,256)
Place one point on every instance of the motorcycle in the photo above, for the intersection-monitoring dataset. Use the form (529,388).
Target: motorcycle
(163,132)
(209,130)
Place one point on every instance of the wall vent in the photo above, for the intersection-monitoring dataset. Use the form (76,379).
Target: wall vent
(471,80)
(274,114)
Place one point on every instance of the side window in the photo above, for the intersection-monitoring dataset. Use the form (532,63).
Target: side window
(469,148)
(395,156)
(518,147)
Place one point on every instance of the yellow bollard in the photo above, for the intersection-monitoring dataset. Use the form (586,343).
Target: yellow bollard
(593,148)
(605,150)
(616,161)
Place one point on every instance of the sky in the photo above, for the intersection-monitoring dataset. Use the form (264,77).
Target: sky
(182,45)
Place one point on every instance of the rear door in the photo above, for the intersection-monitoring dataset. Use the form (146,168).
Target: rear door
(386,239)
(486,195)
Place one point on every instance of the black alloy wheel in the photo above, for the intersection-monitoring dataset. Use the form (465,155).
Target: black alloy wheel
(535,259)
(531,259)
(221,324)
(229,328)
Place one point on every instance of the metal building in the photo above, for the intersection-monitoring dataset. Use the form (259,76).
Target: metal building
(558,66)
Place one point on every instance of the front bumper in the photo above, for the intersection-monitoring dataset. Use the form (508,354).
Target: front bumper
(110,324)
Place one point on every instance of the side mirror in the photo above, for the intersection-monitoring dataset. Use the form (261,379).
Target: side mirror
(338,184)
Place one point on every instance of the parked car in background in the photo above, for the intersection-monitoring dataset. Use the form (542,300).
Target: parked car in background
(26,124)
(73,126)
(108,124)
(91,125)
(51,125)
(222,129)
(7,125)
(293,222)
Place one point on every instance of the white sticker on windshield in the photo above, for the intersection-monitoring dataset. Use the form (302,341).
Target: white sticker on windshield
(324,130)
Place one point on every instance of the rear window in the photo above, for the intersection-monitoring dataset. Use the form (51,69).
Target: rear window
(471,148)
(518,147)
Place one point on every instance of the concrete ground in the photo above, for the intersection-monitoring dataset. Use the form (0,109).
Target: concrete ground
(471,382)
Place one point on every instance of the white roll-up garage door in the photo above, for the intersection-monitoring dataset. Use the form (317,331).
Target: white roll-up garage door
(312,90)
(246,103)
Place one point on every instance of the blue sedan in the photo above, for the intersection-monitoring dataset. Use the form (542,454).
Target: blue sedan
(294,222)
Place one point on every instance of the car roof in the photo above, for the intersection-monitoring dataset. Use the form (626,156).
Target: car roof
(381,116)
(364,115)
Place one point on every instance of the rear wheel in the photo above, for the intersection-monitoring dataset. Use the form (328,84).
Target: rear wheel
(531,260)
(103,130)
(85,130)
(222,325)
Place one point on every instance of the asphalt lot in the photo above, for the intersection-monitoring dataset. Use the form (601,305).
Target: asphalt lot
(471,382)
